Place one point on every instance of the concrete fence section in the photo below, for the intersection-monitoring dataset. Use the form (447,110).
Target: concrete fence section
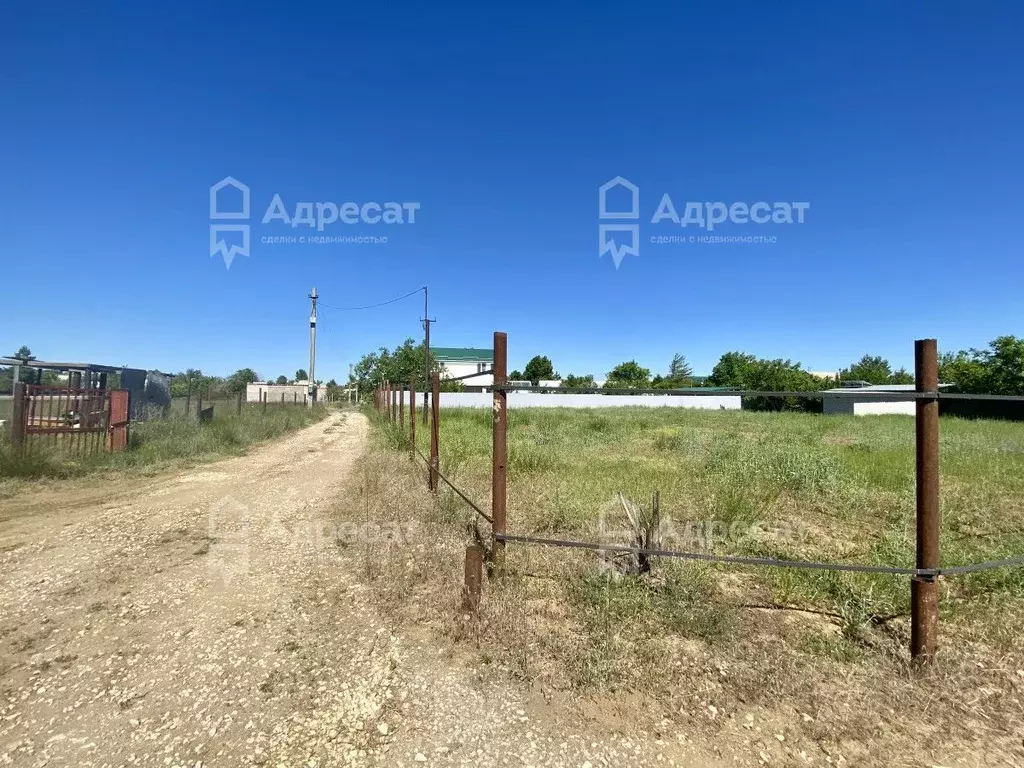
(545,400)
(293,393)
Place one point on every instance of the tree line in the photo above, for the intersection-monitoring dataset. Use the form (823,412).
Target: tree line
(191,380)
(404,364)
(997,369)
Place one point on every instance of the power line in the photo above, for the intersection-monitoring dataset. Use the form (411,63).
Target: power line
(373,306)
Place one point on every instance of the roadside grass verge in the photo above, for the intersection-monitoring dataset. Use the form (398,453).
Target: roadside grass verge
(820,655)
(157,444)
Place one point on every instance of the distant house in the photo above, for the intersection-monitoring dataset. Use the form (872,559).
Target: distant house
(283,393)
(457,362)
(845,399)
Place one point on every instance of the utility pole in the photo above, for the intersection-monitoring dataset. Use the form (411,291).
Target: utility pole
(312,348)
(426,345)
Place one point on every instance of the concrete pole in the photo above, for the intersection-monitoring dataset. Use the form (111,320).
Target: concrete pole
(312,348)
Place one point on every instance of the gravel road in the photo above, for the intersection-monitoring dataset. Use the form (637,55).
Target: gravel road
(208,618)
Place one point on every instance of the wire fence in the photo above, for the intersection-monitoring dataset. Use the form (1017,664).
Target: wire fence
(389,402)
(726,559)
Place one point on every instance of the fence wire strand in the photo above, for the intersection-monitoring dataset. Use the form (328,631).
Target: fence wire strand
(764,561)
(727,559)
(851,392)
(451,485)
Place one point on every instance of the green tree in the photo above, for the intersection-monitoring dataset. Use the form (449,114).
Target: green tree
(301,375)
(874,370)
(579,382)
(189,380)
(740,370)
(629,374)
(733,369)
(281,379)
(1005,358)
(403,364)
(516,375)
(902,376)
(998,370)
(447,385)
(680,371)
(238,380)
(680,374)
(538,368)
(7,374)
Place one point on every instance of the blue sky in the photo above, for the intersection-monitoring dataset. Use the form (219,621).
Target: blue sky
(900,124)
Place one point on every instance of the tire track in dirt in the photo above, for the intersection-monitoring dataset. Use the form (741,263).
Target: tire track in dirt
(209,618)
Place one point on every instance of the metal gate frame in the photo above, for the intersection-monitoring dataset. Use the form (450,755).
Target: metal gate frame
(80,420)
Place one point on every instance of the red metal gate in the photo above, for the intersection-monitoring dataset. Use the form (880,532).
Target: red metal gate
(118,419)
(78,420)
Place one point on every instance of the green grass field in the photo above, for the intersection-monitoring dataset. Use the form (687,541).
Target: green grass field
(161,443)
(781,485)
(822,656)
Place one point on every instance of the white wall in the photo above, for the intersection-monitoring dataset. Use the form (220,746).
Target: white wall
(292,392)
(455,370)
(866,407)
(542,400)
(906,408)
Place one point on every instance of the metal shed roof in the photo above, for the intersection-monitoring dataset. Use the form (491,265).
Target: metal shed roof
(461,354)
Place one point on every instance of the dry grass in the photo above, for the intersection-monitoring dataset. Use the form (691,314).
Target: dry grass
(739,656)
(154,446)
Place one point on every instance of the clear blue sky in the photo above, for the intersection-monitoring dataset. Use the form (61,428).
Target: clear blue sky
(900,123)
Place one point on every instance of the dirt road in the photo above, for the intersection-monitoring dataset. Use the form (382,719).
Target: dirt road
(207,617)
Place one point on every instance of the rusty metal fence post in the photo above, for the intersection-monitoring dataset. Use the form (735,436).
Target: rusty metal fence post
(473,579)
(199,406)
(435,386)
(499,449)
(18,416)
(264,399)
(924,590)
(401,410)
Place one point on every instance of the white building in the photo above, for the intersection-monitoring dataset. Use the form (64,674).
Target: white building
(457,362)
(849,402)
(289,394)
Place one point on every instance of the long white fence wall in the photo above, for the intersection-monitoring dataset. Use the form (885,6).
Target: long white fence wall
(552,400)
